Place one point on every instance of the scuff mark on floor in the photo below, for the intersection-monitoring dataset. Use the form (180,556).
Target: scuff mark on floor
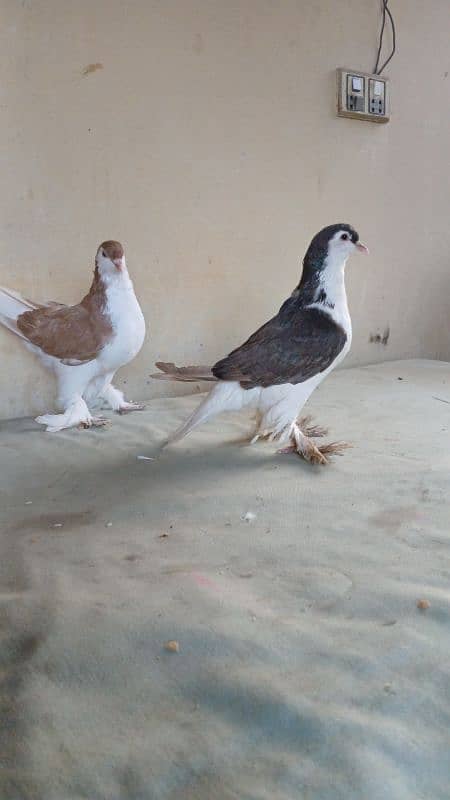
(92,68)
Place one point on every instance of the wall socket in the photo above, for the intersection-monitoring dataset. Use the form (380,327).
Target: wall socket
(361,95)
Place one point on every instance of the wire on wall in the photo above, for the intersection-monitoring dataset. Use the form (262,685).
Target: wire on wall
(386,12)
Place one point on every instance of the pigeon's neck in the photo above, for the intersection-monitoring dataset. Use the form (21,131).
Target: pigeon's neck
(118,281)
(114,280)
(331,290)
(103,287)
(95,300)
(324,285)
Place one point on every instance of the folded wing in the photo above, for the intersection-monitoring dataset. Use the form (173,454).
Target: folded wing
(68,333)
(291,348)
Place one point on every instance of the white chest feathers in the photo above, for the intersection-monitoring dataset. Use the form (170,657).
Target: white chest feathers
(331,298)
(127,321)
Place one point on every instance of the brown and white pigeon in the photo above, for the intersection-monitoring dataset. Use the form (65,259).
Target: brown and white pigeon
(84,345)
(275,371)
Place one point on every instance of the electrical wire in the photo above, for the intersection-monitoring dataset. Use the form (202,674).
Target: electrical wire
(386,11)
(391,19)
(380,44)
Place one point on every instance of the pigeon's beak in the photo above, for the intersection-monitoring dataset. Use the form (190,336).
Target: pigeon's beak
(118,263)
(362,248)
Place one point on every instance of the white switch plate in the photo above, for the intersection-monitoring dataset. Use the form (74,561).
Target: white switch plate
(361,95)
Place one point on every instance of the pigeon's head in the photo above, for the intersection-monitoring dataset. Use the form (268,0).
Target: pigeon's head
(325,259)
(110,259)
(343,240)
(333,244)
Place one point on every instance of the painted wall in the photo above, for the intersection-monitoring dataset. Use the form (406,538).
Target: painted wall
(204,138)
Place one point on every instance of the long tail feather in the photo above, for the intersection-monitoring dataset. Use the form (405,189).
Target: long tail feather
(12,305)
(201,414)
(170,372)
(224,396)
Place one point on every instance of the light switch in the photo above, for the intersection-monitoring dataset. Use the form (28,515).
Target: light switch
(355,100)
(376,97)
(378,88)
(362,96)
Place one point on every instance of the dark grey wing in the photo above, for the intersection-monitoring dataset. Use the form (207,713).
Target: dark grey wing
(291,348)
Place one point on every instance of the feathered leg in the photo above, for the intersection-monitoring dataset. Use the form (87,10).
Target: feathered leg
(278,433)
(100,389)
(72,383)
(75,415)
(117,402)
(280,420)
(305,447)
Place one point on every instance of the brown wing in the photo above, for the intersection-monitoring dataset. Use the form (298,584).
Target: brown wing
(69,333)
(291,348)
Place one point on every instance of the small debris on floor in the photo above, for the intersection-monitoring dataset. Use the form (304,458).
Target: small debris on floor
(144,458)
(108,525)
(423,604)
(57,524)
(163,536)
(250,516)
(131,557)
(172,646)
(28,502)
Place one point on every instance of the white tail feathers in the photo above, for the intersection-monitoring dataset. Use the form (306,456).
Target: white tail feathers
(170,372)
(12,305)
(201,414)
(224,396)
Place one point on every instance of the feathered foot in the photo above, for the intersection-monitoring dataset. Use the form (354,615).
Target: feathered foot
(304,423)
(76,415)
(268,434)
(306,448)
(127,408)
(313,431)
(116,400)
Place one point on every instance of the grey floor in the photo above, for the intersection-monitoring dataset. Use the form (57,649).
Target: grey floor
(304,667)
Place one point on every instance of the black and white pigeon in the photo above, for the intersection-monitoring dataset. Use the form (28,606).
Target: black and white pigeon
(275,371)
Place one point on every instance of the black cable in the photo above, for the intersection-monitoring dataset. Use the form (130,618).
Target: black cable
(380,44)
(386,10)
(391,19)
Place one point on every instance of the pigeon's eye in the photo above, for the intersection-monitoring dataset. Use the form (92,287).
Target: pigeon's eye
(344,236)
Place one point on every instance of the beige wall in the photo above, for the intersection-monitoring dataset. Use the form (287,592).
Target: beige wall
(207,142)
